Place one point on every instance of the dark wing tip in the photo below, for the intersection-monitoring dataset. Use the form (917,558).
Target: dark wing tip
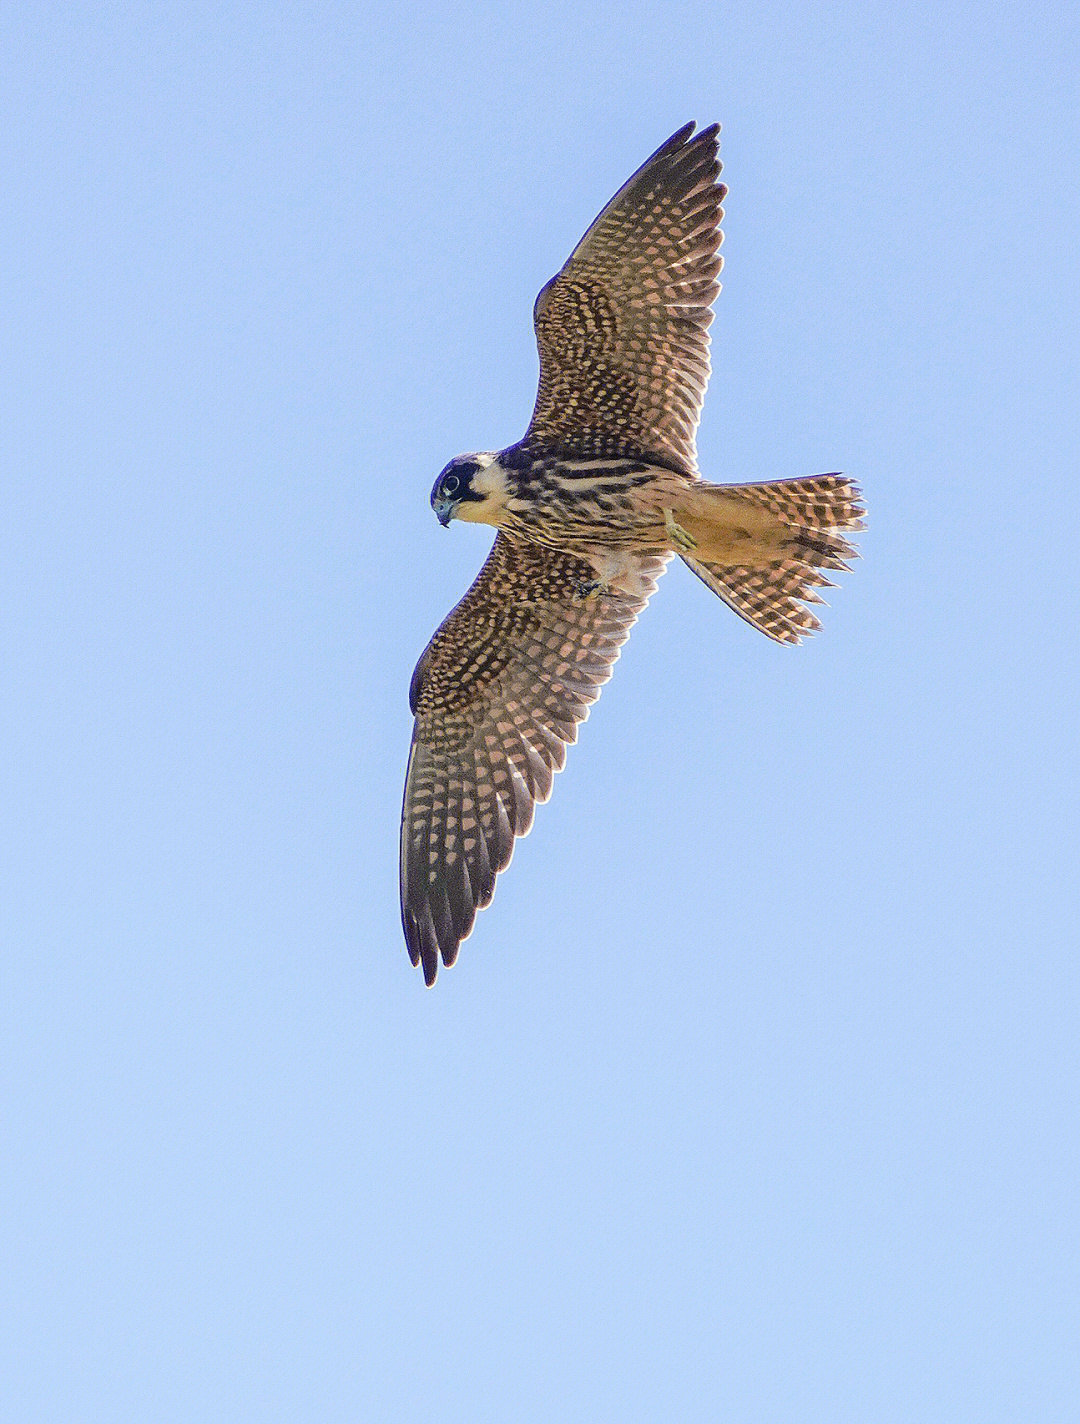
(678,138)
(436,918)
(422,942)
(685,139)
(425,944)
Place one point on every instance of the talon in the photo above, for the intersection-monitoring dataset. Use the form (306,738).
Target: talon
(678,534)
(586,589)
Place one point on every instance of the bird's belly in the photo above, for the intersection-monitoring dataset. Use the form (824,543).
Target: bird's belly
(583,522)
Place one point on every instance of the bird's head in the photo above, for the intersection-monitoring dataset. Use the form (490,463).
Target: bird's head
(471,487)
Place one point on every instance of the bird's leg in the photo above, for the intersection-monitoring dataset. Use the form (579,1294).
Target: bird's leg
(585,589)
(678,534)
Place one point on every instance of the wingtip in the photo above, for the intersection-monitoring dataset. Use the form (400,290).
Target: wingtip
(412,938)
(689,136)
(423,947)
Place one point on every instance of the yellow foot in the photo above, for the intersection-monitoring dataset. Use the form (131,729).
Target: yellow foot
(588,590)
(678,534)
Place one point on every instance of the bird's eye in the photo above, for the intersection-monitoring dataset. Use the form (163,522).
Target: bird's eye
(450,484)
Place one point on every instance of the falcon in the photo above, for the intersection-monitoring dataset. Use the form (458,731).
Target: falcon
(590,505)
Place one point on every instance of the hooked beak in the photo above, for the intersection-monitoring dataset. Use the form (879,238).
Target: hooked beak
(444,511)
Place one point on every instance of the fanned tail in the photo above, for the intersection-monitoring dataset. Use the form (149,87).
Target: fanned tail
(762,547)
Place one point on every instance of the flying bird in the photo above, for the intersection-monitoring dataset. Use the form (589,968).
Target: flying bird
(590,505)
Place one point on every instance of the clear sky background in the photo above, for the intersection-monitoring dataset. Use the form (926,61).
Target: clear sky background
(754,1096)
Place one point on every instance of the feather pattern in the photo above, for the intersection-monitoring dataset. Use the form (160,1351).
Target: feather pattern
(816,513)
(588,507)
(497,695)
(622,329)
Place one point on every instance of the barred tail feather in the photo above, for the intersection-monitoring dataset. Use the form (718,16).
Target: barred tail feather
(771,568)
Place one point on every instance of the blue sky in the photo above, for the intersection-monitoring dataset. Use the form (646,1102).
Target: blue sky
(754,1095)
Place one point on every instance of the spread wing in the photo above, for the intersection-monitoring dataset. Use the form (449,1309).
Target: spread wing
(497,695)
(622,329)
